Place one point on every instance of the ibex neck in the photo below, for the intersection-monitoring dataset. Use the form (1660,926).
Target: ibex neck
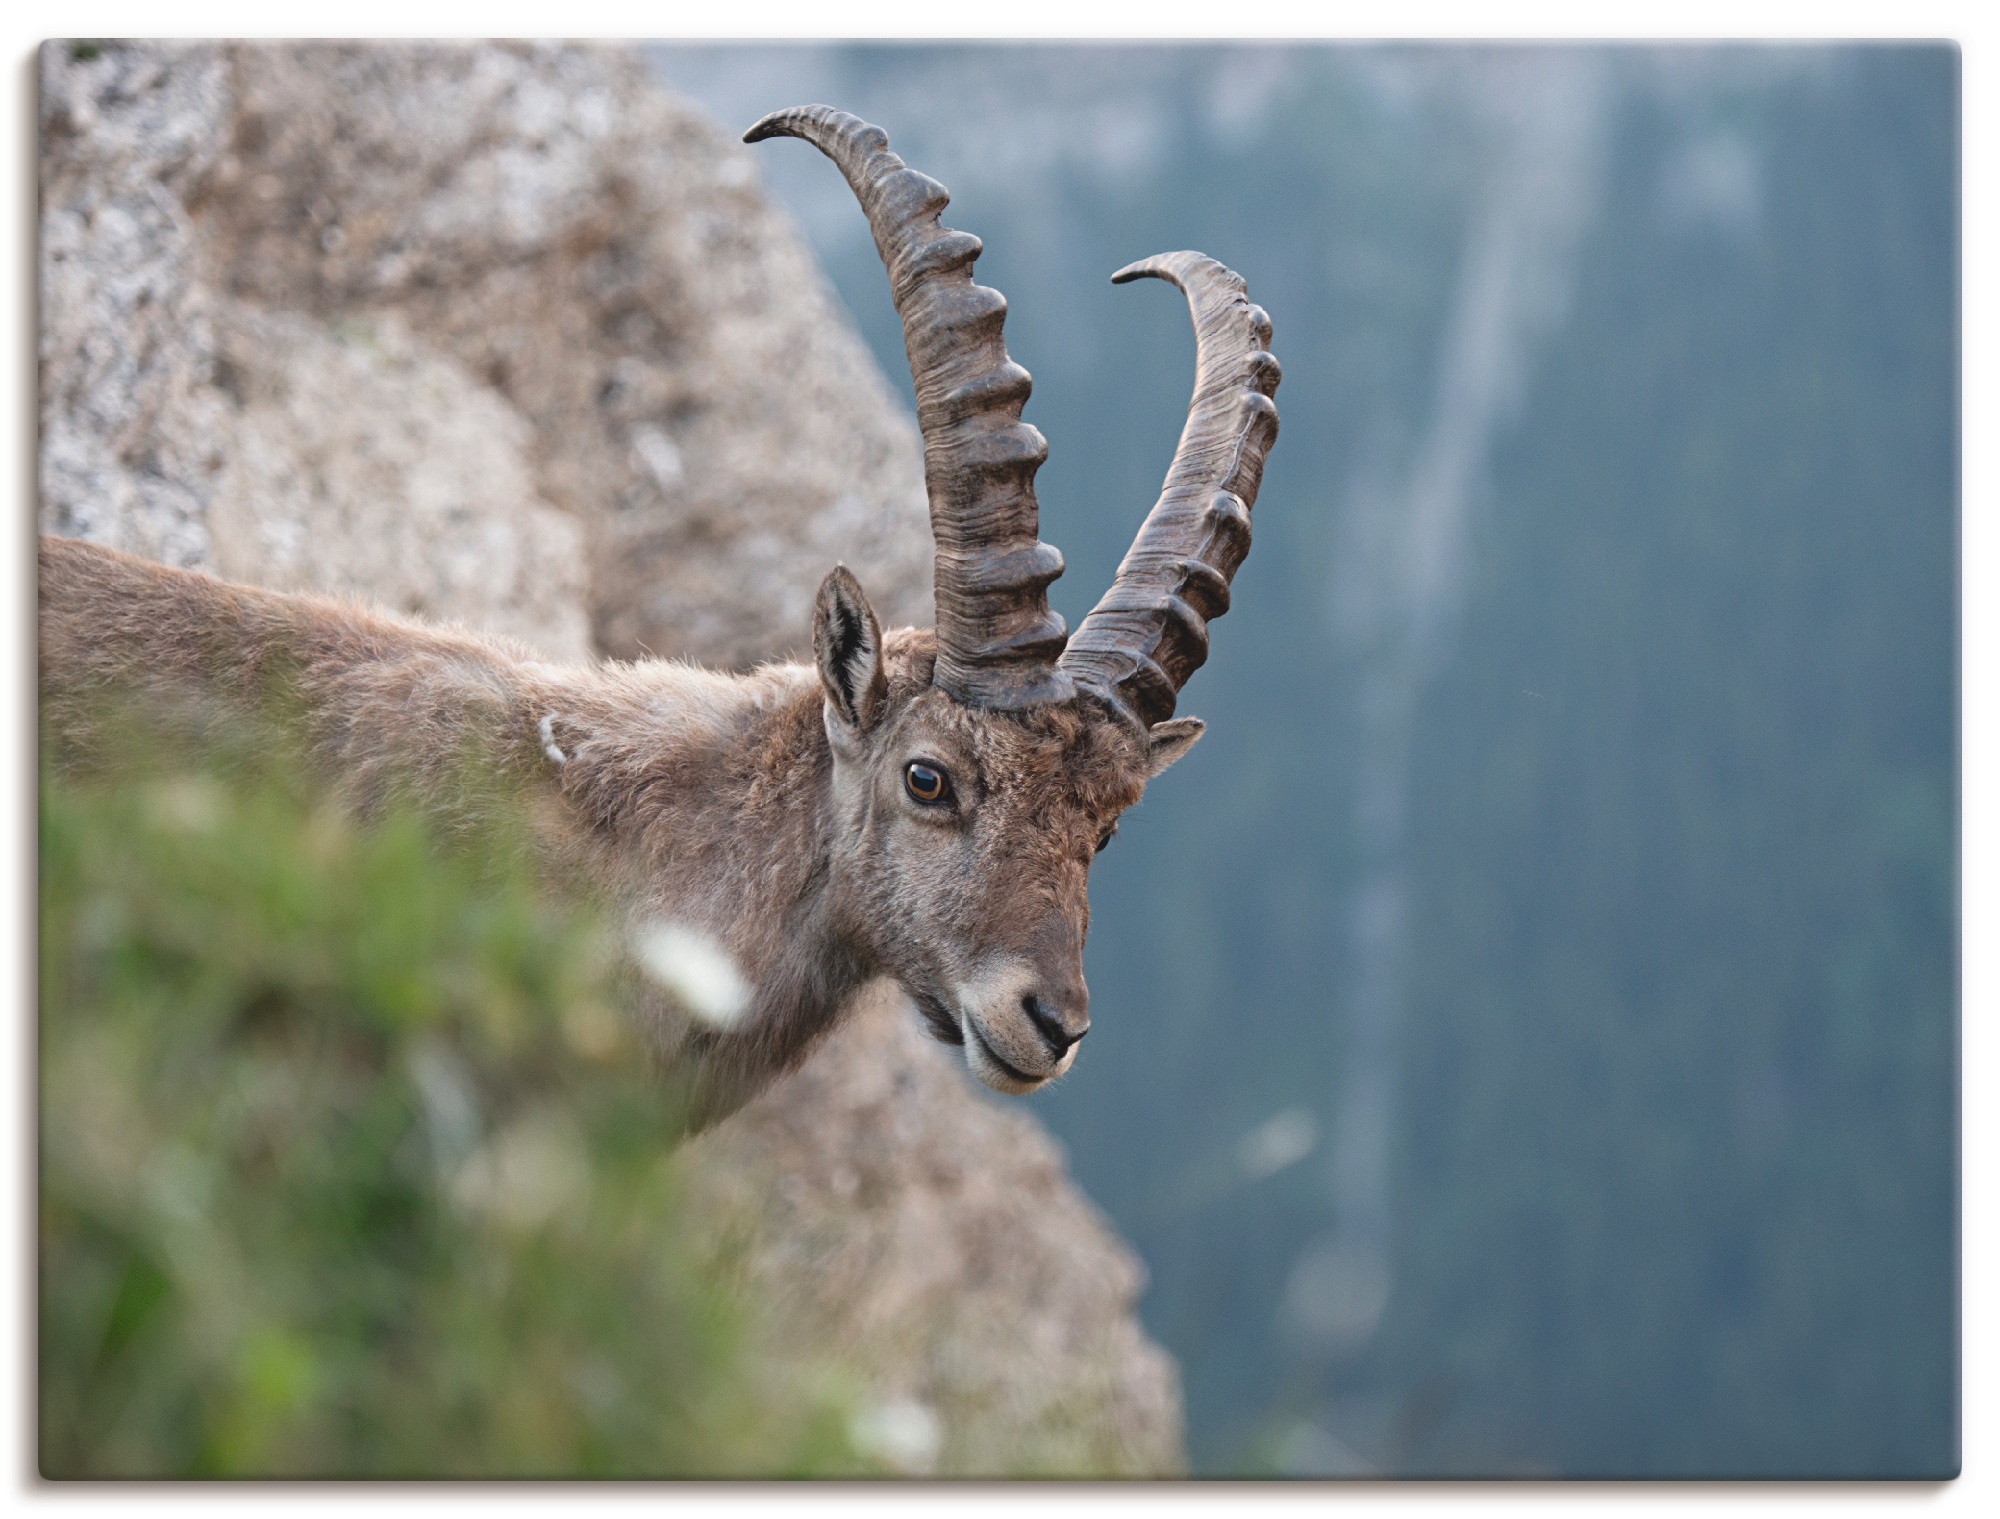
(712,794)
(694,798)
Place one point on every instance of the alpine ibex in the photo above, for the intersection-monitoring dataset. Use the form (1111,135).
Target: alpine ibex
(922,805)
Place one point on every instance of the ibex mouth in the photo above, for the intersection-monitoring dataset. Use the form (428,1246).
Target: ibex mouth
(943,1022)
(991,1069)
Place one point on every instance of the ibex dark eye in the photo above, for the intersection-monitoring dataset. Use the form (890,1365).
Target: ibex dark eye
(926,783)
(1109,834)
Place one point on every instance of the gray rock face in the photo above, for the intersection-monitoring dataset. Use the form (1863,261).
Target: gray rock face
(602,258)
(930,1238)
(505,335)
(133,431)
(272,445)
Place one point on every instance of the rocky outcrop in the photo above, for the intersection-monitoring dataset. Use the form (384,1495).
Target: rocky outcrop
(542,222)
(504,334)
(267,443)
(929,1238)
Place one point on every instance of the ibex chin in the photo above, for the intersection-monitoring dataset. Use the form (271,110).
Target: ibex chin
(921,805)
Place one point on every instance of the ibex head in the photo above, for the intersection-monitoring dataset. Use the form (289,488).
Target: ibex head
(977,770)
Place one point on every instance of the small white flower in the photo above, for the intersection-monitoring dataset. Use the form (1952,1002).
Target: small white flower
(696,969)
(450,1102)
(1282,1140)
(902,1432)
(657,455)
(526,1174)
(188,803)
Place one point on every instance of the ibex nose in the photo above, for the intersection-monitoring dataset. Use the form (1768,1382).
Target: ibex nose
(1061,1026)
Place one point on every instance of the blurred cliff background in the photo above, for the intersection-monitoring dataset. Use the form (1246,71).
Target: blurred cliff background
(1526,1025)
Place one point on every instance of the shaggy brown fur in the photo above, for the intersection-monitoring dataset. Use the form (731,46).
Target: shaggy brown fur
(773,812)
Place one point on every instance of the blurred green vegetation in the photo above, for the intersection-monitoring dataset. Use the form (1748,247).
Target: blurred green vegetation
(350,1167)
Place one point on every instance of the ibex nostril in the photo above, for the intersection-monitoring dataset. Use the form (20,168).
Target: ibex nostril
(1045,1017)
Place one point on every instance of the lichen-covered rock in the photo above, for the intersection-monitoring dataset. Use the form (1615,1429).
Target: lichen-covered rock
(506,335)
(362,462)
(133,430)
(202,430)
(602,257)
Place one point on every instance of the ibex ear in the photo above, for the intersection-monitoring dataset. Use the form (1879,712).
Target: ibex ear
(1168,741)
(847,644)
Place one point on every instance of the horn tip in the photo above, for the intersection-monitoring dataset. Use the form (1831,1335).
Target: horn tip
(781,123)
(1175,268)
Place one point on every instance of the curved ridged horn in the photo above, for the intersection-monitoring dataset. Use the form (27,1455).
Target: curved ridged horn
(997,637)
(1140,644)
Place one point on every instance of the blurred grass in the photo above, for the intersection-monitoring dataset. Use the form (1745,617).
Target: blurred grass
(349,1165)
